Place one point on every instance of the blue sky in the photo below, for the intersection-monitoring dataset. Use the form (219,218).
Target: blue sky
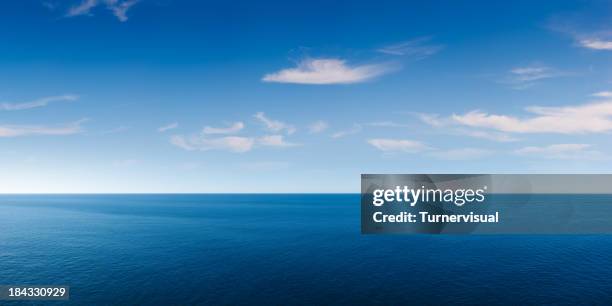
(272,96)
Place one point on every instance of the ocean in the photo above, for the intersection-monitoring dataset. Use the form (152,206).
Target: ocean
(280,250)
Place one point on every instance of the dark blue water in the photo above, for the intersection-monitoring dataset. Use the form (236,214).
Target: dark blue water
(279,249)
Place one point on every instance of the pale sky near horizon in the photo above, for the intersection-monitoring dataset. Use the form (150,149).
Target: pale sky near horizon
(273,96)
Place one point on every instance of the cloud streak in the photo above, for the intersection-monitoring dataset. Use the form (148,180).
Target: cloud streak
(34,130)
(397,145)
(318,127)
(118,8)
(275,141)
(9,106)
(416,48)
(526,76)
(274,125)
(232,129)
(170,126)
(596,44)
(353,130)
(324,71)
(229,143)
(580,119)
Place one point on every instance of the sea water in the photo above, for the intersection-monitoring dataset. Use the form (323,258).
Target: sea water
(279,249)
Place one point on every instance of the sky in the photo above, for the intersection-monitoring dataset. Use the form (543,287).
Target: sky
(124,96)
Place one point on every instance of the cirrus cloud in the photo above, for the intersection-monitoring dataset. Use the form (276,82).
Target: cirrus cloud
(32,130)
(275,141)
(596,44)
(167,127)
(274,125)
(199,143)
(15,106)
(397,145)
(580,119)
(117,7)
(328,71)
(233,128)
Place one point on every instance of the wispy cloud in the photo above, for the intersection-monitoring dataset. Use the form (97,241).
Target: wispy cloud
(593,35)
(198,142)
(397,145)
(562,151)
(527,76)
(418,48)
(353,130)
(489,135)
(275,141)
(167,127)
(120,9)
(596,44)
(234,144)
(15,106)
(206,140)
(117,7)
(603,94)
(31,130)
(318,127)
(324,71)
(274,125)
(448,125)
(232,129)
(579,119)
(82,8)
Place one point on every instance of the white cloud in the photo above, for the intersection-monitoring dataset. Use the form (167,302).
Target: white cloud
(432,119)
(415,48)
(596,44)
(562,151)
(397,145)
(275,141)
(499,137)
(31,130)
(204,141)
(328,71)
(181,142)
(461,154)
(231,143)
(82,8)
(448,126)
(9,106)
(526,76)
(318,127)
(580,119)
(117,7)
(120,9)
(603,94)
(274,125)
(168,127)
(234,128)
(354,130)
(228,143)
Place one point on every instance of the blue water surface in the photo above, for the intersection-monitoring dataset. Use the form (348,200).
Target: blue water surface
(279,250)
